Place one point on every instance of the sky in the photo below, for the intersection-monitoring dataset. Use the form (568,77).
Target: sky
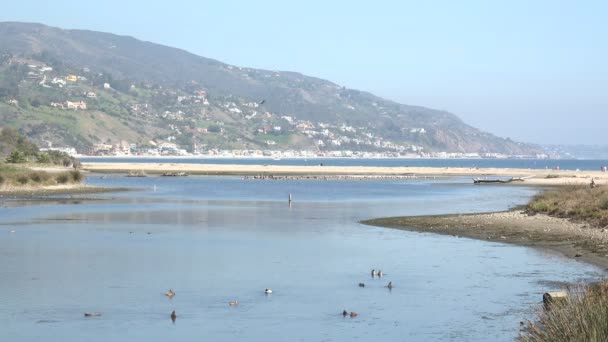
(534,71)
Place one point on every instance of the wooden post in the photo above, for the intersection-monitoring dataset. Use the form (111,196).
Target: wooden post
(549,298)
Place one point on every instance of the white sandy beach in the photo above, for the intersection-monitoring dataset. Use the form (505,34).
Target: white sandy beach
(536,176)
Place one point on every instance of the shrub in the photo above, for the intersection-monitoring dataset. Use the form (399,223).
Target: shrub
(604,203)
(39,176)
(76,176)
(1,179)
(43,158)
(62,178)
(16,157)
(22,179)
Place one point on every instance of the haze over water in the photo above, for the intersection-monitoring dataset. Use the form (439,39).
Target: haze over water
(216,239)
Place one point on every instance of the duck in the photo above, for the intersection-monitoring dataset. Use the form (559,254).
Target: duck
(390,285)
(268,291)
(353,314)
(173,316)
(379,273)
(361,285)
(373,273)
(233,303)
(344,313)
(92,314)
(170,293)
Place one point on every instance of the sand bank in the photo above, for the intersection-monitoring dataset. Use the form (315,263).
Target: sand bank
(575,240)
(51,190)
(538,177)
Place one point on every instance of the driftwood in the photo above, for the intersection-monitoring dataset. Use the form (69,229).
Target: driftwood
(136,174)
(496,180)
(174,174)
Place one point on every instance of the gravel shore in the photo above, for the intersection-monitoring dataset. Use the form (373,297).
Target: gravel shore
(572,239)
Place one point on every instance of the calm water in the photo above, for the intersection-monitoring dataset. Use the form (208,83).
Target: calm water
(213,240)
(564,164)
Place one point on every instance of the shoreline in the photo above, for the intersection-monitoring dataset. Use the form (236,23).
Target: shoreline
(533,176)
(37,192)
(573,240)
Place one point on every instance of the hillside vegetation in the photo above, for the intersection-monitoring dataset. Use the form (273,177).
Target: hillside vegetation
(145,94)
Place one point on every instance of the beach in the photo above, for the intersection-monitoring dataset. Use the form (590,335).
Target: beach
(532,176)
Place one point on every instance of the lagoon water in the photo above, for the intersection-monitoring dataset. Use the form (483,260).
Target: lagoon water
(216,239)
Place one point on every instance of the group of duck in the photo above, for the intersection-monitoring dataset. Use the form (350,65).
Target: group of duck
(170,294)
(374,274)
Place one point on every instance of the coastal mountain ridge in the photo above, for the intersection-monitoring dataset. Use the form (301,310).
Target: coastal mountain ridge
(83,88)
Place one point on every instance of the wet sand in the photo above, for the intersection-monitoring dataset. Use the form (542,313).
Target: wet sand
(536,177)
(571,239)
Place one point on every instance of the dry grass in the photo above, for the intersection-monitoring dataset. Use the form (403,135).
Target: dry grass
(577,202)
(12,176)
(583,316)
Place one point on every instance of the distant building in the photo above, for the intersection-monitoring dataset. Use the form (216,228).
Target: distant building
(76,105)
(71,78)
(106,86)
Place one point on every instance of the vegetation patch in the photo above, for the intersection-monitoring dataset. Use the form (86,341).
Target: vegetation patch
(576,202)
(582,316)
(18,176)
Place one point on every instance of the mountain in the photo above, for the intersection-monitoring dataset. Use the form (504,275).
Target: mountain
(149,94)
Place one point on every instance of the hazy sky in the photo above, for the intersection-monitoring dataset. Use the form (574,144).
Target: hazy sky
(534,71)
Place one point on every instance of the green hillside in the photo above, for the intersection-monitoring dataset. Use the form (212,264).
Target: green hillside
(148,94)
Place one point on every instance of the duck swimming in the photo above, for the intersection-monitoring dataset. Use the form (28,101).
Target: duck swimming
(268,291)
(390,285)
(92,314)
(173,316)
(361,285)
(170,293)
(353,314)
(233,303)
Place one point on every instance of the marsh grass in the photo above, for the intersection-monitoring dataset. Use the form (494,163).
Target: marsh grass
(583,316)
(577,202)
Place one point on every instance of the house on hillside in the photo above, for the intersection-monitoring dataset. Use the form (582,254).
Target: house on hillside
(91,95)
(71,78)
(76,105)
(60,82)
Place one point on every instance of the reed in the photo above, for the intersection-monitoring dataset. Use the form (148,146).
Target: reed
(583,316)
